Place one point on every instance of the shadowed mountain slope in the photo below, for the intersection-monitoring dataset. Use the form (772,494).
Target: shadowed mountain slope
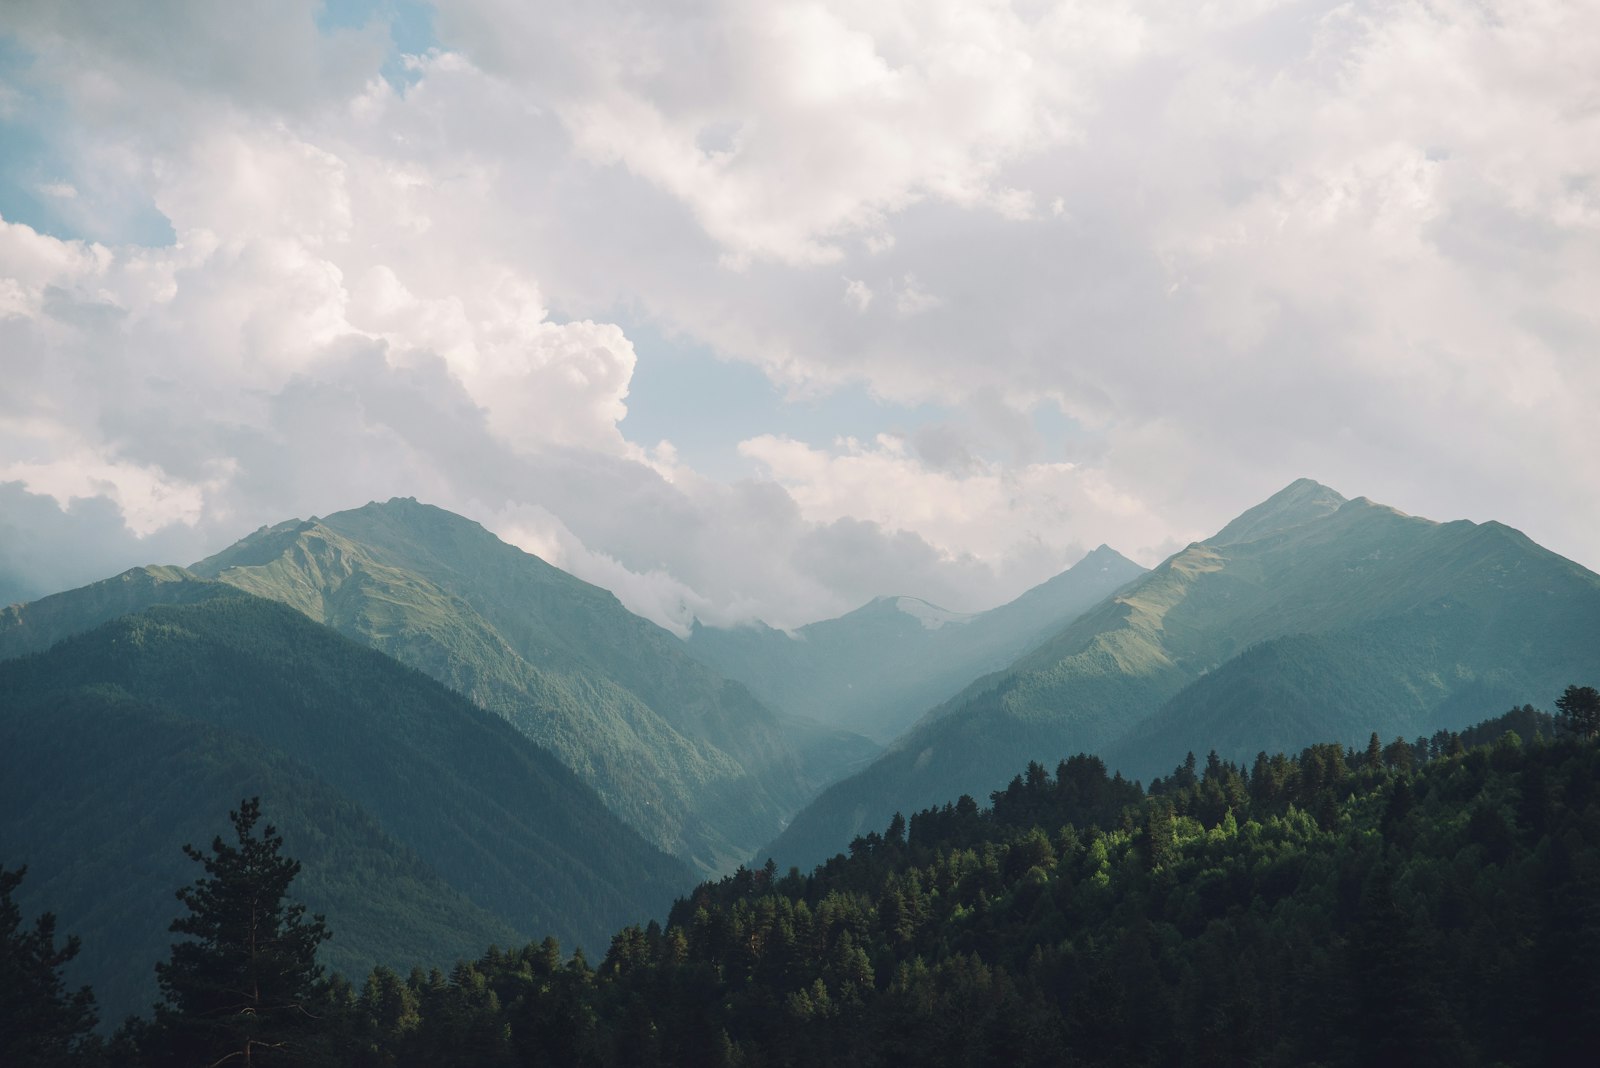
(424,822)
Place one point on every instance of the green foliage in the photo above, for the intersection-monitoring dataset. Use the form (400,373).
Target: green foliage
(1328,908)
(1318,908)
(1579,708)
(41,1023)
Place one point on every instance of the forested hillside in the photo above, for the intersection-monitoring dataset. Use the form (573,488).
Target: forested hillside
(1421,903)
(426,823)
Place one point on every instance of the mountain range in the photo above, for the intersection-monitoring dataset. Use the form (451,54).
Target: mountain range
(878,668)
(1309,616)
(469,745)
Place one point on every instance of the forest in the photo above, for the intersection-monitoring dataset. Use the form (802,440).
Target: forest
(1422,902)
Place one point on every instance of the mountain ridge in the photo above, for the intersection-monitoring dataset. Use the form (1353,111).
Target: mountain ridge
(1500,614)
(878,667)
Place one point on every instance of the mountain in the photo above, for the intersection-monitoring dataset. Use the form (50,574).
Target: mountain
(689,759)
(35,626)
(425,823)
(1309,616)
(878,668)
(1426,905)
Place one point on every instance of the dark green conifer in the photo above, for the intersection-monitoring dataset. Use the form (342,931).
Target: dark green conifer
(242,989)
(1579,708)
(40,1022)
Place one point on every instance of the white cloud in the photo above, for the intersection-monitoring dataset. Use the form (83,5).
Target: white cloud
(911,300)
(857,294)
(989,511)
(1219,245)
(830,116)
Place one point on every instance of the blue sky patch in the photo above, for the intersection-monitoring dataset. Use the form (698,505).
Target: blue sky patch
(410,29)
(705,406)
(43,184)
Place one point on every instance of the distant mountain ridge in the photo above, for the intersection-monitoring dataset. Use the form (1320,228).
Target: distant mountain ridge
(878,668)
(1258,637)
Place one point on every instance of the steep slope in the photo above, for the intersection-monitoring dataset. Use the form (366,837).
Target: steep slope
(423,820)
(1450,621)
(878,668)
(690,759)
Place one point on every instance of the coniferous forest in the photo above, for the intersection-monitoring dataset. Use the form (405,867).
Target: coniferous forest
(1424,902)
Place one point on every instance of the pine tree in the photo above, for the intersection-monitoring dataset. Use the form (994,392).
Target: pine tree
(242,989)
(1160,837)
(40,1022)
(1579,708)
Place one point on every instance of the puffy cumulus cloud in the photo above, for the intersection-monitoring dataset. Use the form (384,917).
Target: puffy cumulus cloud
(725,553)
(655,594)
(790,128)
(274,272)
(1224,245)
(197,391)
(990,511)
(1348,240)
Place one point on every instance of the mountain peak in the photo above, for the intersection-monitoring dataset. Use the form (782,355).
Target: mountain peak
(1302,501)
(1101,557)
(931,616)
(891,606)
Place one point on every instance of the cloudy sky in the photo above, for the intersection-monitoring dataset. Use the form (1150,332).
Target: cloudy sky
(760,310)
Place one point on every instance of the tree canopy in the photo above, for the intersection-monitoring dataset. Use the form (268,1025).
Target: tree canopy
(1579,708)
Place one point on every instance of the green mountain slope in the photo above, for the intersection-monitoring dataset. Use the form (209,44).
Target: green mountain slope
(690,759)
(1444,621)
(424,820)
(878,668)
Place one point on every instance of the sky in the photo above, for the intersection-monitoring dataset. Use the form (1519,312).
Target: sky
(762,310)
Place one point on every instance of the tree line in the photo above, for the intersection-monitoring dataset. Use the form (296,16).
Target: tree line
(1423,902)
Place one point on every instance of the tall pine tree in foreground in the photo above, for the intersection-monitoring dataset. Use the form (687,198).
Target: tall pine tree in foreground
(243,989)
